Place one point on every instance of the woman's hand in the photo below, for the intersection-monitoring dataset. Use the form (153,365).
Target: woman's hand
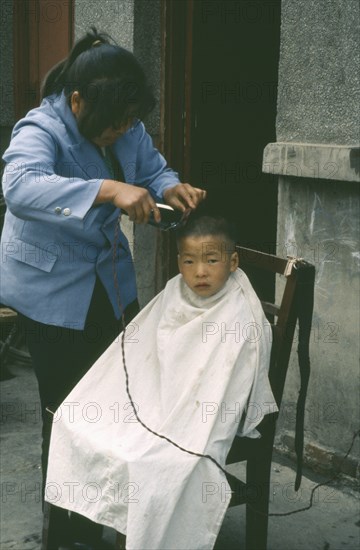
(135,201)
(138,203)
(184,196)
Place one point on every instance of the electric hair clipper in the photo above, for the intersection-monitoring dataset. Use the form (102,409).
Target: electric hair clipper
(170,219)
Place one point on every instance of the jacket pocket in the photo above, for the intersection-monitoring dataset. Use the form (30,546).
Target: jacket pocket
(32,254)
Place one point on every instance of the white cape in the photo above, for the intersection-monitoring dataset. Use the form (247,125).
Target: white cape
(197,371)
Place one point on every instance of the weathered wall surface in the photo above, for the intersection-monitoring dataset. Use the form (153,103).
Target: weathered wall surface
(319,79)
(6,63)
(115,17)
(319,221)
(6,57)
(318,216)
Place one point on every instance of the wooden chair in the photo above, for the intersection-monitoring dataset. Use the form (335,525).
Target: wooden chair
(296,303)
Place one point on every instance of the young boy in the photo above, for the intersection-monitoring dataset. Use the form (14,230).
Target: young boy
(207,254)
(196,360)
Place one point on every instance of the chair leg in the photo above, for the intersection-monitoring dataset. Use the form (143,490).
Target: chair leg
(56,527)
(49,541)
(258,471)
(120,543)
(258,485)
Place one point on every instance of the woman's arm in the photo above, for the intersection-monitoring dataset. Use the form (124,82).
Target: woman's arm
(34,189)
(135,201)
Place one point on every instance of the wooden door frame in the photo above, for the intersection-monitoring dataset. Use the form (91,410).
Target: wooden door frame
(175,112)
(37,23)
(175,108)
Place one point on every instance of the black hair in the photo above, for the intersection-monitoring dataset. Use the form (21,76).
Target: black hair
(204,226)
(108,78)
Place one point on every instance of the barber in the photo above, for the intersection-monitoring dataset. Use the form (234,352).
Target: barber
(72,166)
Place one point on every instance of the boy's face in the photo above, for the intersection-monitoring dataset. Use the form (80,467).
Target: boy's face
(205,263)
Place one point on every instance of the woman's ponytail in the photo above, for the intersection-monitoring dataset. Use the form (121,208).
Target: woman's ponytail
(48,85)
(56,78)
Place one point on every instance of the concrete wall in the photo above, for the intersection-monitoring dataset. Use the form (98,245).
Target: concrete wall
(318,213)
(115,17)
(6,57)
(319,79)
(7,82)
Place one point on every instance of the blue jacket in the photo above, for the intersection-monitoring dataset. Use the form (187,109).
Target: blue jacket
(54,240)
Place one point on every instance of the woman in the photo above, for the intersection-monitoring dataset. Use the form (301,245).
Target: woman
(72,166)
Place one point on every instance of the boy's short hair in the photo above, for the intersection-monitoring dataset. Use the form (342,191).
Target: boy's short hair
(201,226)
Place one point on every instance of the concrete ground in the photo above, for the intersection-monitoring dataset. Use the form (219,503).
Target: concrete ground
(331,524)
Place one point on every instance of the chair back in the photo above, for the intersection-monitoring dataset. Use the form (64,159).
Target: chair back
(282,315)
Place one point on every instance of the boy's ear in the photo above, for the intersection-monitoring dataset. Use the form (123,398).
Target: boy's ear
(234,261)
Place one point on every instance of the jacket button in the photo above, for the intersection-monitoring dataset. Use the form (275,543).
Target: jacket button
(57,210)
(66,211)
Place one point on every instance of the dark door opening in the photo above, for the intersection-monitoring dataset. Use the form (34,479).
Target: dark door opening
(233,102)
(223,66)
